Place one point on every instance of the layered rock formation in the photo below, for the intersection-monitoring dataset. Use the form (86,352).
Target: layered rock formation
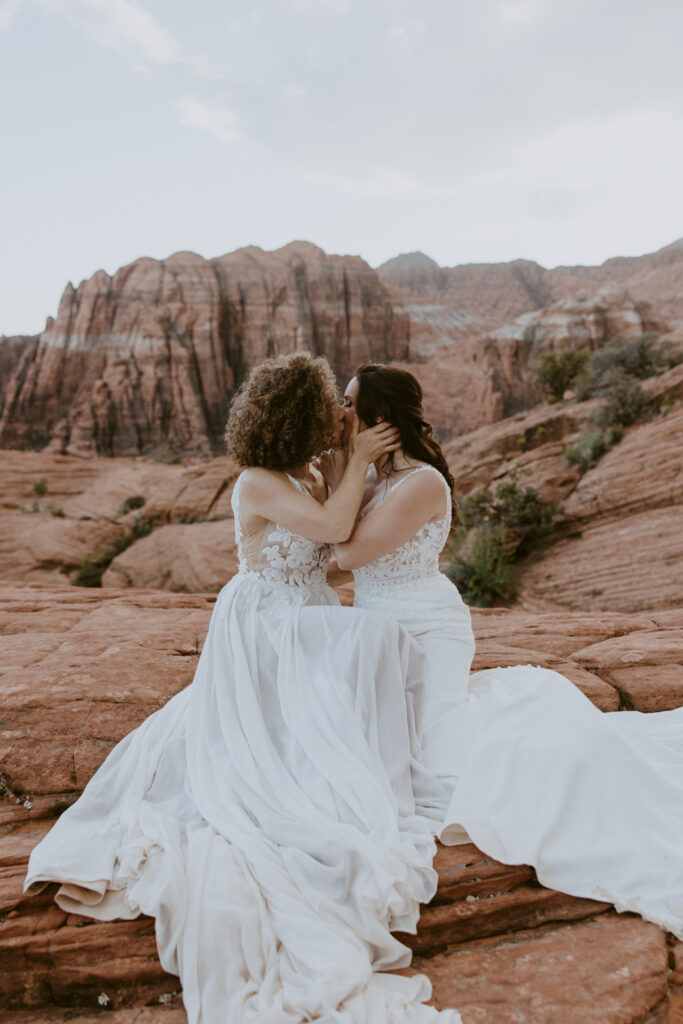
(140,522)
(621,544)
(87,666)
(145,361)
(500,292)
(470,382)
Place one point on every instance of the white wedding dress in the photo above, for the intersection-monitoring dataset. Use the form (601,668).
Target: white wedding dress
(277,816)
(537,774)
(274,816)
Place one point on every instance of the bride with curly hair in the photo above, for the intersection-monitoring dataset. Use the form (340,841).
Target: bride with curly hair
(274,817)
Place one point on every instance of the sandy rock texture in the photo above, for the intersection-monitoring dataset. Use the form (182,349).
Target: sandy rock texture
(146,524)
(495,293)
(151,525)
(620,545)
(86,666)
(145,361)
(471,381)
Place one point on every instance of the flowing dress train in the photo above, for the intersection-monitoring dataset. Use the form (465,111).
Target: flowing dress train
(274,816)
(536,774)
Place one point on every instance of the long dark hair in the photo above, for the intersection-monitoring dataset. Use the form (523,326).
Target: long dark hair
(388,393)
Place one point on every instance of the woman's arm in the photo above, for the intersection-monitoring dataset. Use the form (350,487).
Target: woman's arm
(416,502)
(271,496)
(337,577)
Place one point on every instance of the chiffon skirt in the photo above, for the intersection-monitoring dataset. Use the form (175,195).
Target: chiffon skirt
(538,775)
(274,818)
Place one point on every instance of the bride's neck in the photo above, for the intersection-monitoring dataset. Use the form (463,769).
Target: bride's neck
(384,468)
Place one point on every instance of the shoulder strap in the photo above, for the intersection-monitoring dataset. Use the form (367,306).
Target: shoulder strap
(297,483)
(420,469)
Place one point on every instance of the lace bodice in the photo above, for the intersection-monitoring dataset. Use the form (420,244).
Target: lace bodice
(418,558)
(275,555)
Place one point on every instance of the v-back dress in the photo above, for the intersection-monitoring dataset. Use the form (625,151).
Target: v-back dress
(274,817)
(536,773)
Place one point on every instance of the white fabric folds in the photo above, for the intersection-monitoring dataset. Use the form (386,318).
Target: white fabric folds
(273,817)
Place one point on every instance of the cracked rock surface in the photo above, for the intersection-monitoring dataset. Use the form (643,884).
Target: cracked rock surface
(79,668)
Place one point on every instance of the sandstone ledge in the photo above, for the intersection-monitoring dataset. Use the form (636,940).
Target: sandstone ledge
(88,665)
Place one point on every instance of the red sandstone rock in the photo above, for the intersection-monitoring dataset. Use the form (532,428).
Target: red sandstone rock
(146,360)
(507,290)
(88,509)
(87,665)
(611,970)
(189,558)
(473,381)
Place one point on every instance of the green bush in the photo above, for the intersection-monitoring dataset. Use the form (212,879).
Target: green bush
(89,574)
(592,446)
(623,401)
(483,576)
(520,510)
(557,371)
(496,530)
(634,357)
(135,501)
(586,452)
(613,375)
(40,487)
(90,571)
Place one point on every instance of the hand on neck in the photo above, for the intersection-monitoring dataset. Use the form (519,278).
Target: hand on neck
(385,466)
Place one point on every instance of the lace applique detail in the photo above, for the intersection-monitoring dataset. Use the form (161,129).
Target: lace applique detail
(235,503)
(294,560)
(417,559)
(285,558)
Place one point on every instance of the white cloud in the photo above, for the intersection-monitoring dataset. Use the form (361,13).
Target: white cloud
(122,25)
(208,117)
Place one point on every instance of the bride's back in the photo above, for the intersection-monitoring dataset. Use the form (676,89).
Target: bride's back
(273,554)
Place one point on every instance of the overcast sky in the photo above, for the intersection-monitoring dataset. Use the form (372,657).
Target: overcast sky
(474,130)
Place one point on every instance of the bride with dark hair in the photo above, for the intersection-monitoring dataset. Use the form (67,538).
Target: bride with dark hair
(535,773)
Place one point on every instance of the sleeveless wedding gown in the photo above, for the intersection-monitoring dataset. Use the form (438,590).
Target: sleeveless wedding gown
(274,817)
(537,774)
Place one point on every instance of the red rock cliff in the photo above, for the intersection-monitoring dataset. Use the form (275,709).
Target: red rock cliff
(145,361)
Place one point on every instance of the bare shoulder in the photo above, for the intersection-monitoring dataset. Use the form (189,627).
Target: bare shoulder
(424,488)
(258,481)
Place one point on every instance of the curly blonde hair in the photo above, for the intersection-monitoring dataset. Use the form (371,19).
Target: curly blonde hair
(283,414)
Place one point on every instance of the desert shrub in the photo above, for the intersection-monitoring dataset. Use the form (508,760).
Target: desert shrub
(90,571)
(613,375)
(135,501)
(55,510)
(623,402)
(496,529)
(586,452)
(557,371)
(519,509)
(589,449)
(142,527)
(40,487)
(483,575)
(634,357)
(89,574)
